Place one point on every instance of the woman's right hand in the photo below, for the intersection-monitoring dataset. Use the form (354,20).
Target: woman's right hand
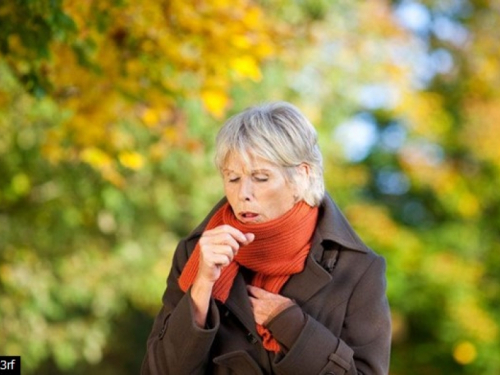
(218,247)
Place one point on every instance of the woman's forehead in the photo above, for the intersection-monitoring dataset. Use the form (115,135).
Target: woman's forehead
(247,162)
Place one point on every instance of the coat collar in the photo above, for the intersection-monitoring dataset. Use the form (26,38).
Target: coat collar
(333,226)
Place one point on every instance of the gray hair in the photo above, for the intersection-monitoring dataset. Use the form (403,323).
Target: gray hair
(279,133)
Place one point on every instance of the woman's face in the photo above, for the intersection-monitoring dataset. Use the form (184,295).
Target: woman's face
(258,191)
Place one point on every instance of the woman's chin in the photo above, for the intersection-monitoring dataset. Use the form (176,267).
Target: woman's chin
(250,219)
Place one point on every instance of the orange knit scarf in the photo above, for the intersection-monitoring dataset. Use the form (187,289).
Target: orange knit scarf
(278,251)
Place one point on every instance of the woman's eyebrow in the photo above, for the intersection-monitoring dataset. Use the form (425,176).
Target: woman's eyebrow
(253,171)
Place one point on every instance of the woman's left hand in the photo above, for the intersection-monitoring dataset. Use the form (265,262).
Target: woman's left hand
(266,305)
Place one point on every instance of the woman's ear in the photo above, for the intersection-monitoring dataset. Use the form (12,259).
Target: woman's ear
(304,170)
(302,179)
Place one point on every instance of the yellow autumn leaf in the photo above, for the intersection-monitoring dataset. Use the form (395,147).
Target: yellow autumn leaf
(131,160)
(215,101)
(240,41)
(150,117)
(246,67)
(464,353)
(95,157)
(134,67)
(221,3)
(427,117)
(475,321)
(253,18)
(264,49)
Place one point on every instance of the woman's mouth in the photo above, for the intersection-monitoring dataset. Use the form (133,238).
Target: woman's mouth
(248,217)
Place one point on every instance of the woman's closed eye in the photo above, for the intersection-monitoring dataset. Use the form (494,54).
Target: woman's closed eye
(256,177)
(260,178)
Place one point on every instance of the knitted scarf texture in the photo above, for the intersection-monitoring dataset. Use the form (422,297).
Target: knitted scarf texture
(278,251)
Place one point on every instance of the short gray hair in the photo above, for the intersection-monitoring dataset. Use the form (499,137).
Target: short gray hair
(279,133)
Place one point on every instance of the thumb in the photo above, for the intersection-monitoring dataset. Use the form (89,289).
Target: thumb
(250,237)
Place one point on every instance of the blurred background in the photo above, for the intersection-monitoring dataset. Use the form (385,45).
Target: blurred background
(108,113)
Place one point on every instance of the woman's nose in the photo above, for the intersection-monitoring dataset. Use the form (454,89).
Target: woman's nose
(245,192)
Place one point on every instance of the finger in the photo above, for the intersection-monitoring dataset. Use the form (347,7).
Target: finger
(256,291)
(219,243)
(217,250)
(226,250)
(254,304)
(220,239)
(221,260)
(250,237)
(235,233)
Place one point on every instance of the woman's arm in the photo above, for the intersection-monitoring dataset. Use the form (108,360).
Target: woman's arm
(177,344)
(185,328)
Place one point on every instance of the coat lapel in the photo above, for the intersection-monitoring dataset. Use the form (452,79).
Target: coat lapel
(239,304)
(302,286)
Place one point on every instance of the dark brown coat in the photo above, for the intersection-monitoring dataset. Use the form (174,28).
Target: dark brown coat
(341,292)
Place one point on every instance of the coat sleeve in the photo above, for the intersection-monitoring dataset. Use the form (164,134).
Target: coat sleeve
(364,344)
(176,345)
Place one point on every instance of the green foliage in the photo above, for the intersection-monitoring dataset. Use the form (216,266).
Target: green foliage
(78,254)
(27,29)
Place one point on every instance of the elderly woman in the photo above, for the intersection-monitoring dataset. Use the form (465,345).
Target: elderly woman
(274,280)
